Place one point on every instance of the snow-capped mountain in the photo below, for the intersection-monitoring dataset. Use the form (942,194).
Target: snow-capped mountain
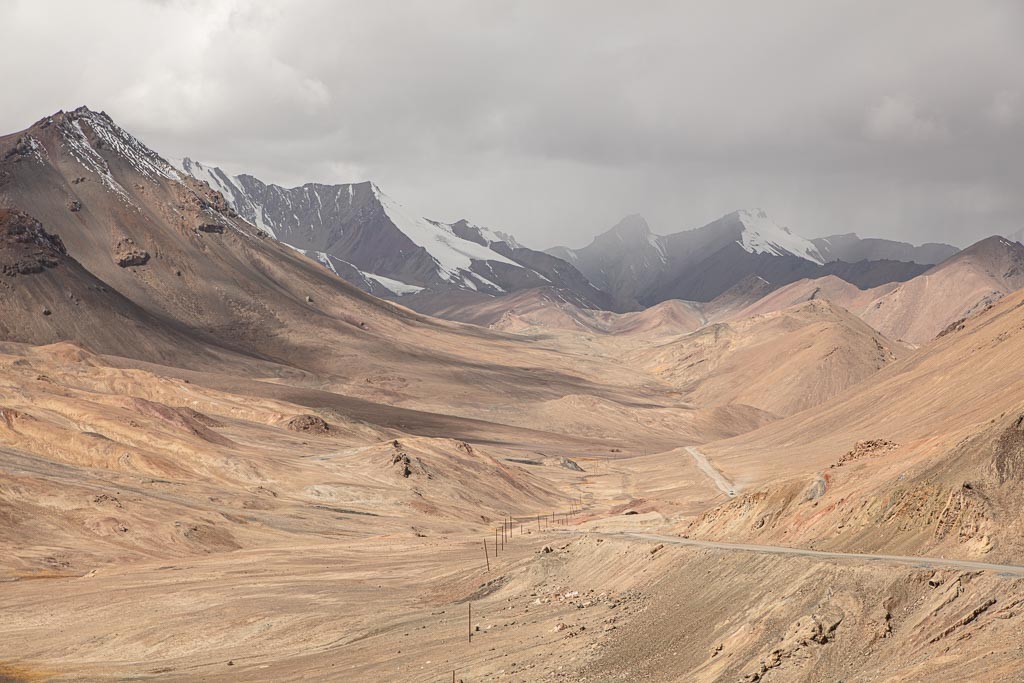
(640,268)
(375,242)
(762,235)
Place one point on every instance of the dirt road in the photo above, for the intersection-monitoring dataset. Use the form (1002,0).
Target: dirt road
(714,475)
(931,562)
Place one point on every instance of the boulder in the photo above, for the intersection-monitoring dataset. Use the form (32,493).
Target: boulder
(310,424)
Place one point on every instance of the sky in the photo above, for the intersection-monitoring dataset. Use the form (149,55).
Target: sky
(554,119)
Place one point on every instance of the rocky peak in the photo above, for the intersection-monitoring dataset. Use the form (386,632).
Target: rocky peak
(630,229)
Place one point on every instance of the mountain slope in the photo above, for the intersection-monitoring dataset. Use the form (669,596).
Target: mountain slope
(46,297)
(927,456)
(377,244)
(961,286)
(782,362)
(829,288)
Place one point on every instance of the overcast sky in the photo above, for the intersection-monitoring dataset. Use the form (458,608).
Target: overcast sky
(553,119)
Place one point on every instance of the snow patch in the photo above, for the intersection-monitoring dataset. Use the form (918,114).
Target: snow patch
(653,240)
(38,151)
(144,160)
(78,145)
(762,235)
(395,286)
(451,253)
(325,259)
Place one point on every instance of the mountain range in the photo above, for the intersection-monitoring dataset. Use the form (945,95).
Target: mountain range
(374,242)
(640,268)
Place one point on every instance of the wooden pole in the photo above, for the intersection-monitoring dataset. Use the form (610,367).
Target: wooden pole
(471,622)
(495,541)
(486,558)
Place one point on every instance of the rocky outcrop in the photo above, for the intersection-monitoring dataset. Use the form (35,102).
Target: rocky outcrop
(310,424)
(26,248)
(805,633)
(128,254)
(872,448)
(1008,459)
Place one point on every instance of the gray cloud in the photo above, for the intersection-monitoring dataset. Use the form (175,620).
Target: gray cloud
(552,120)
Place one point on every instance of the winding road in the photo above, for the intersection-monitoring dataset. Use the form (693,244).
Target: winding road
(714,475)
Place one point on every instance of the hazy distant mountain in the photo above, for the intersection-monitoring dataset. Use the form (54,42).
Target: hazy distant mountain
(850,247)
(638,267)
(373,241)
(624,261)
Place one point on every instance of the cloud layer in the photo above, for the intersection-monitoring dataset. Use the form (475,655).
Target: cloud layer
(553,119)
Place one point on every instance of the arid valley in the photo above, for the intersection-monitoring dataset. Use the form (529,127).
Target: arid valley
(298,432)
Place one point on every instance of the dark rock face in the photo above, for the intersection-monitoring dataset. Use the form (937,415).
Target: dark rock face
(211,228)
(26,248)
